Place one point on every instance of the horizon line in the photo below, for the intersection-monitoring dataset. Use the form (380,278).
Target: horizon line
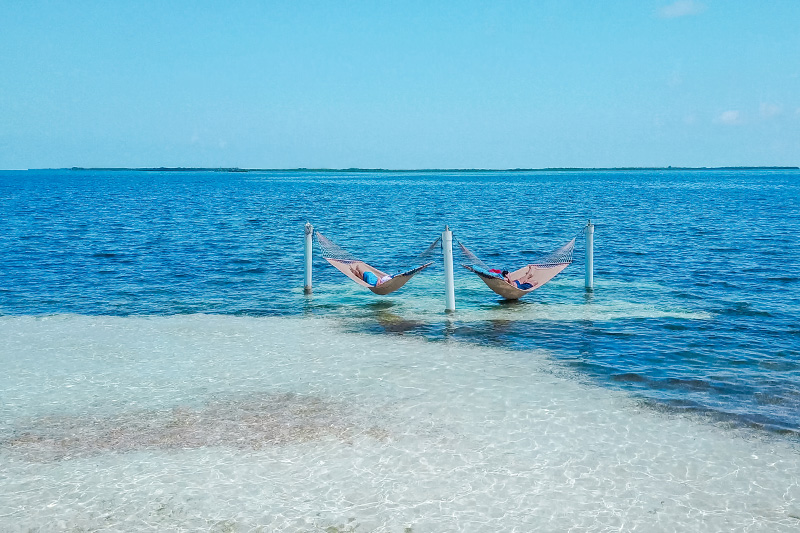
(399,170)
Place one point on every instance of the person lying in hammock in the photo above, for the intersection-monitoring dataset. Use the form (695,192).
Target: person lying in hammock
(369,276)
(516,283)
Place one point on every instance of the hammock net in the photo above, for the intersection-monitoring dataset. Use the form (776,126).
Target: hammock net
(355,269)
(524,280)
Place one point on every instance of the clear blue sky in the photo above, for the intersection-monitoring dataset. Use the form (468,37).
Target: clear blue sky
(399,84)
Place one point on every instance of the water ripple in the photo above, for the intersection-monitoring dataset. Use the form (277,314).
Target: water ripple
(695,270)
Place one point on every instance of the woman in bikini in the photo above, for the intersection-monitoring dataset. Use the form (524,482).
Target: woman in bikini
(368,276)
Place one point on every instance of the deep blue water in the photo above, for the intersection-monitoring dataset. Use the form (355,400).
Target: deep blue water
(697,300)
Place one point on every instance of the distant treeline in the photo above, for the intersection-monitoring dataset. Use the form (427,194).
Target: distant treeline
(164,169)
(301,169)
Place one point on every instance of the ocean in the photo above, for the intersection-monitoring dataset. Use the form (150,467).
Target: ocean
(164,369)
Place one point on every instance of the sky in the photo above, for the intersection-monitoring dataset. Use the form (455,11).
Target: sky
(403,85)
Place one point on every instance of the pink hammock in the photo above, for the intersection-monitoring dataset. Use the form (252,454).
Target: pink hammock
(535,274)
(350,266)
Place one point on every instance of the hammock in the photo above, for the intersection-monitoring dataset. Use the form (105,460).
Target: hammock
(530,277)
(351,266)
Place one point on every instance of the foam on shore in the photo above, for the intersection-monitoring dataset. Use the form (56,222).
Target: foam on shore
(234,423)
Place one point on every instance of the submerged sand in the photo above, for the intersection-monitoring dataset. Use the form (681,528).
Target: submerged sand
(290,424)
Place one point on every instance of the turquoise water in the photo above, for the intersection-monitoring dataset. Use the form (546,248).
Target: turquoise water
(164,370)
(697,300)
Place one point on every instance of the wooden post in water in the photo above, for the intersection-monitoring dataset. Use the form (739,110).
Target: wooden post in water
(449,284)
(589,231)
(308,256)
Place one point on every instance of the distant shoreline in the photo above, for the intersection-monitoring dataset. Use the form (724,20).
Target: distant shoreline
(335,170)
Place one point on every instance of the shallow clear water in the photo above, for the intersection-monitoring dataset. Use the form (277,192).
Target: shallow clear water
(697,300)
(222,423)
(164,369)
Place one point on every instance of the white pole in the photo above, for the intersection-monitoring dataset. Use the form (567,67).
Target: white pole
(309,247)
(589,231)
(449,285)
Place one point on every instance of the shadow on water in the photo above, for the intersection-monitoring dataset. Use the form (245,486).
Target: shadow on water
(380,305)
(308,304)
(508,304)
(394,323)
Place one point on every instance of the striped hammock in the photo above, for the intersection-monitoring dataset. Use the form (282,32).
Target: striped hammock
(525,280)
(355,269)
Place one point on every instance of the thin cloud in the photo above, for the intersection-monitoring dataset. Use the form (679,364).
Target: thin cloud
(769,110)
(681,8)
(730,118)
